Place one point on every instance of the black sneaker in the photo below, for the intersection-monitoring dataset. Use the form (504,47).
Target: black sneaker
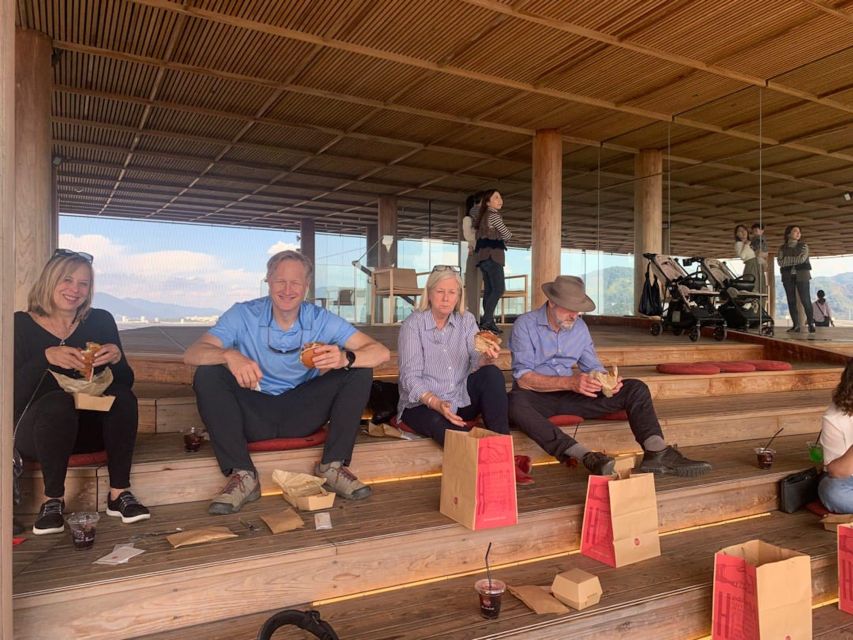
(50,518)
(599,464)
(491,326)
(812,328)
(128,508)
(794,329)
(671,461)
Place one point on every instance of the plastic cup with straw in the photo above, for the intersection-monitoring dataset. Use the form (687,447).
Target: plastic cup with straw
(491,591)
(765,454)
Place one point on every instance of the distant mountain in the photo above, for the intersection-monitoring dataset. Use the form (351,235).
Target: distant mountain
(137,307)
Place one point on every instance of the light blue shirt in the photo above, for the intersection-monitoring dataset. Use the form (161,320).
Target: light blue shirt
(537,347)
(249,327)
(437,360)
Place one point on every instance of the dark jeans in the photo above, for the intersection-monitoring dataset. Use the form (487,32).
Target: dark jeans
(793,286)
(235,416)
(530,410)
(52,429)
(493,288)
(488,396)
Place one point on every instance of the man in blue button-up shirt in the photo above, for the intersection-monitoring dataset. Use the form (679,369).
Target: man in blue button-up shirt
(547,345)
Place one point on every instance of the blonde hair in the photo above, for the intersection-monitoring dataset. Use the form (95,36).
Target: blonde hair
(40,298)
(432,281)
(290,254)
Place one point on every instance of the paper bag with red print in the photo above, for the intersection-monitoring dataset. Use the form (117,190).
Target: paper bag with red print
(761,592)
(845,567)
(620,519)
(478,479)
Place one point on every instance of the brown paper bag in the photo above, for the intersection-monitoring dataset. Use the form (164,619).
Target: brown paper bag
(538,599)
(287,520)
(383,430)
(761,592)
(831,521)
(198,536)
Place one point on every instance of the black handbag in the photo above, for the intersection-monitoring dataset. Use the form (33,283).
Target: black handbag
(650,302)
(384,397)
(798,489)
(308,620)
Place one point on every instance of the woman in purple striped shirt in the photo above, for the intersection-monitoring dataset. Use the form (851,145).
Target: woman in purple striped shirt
(444,381)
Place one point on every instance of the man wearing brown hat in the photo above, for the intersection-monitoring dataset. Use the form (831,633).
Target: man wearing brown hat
(546,344)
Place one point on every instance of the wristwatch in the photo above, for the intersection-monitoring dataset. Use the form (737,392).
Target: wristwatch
(350,359)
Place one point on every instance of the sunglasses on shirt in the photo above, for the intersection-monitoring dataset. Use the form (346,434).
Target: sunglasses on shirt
(284,352)
(67,253)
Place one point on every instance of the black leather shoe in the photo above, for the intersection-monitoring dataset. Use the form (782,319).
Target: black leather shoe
(671,461)
(599,464)
(812,328)
(794,329)
(491,326)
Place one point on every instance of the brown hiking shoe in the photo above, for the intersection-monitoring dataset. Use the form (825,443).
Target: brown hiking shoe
(342,481)
(242,487)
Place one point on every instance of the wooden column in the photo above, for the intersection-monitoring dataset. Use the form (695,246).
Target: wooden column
(648,213)
(306,246)
(34,220)
(372,258)
(771,285)
(7,302)
(387,227)
(547,216)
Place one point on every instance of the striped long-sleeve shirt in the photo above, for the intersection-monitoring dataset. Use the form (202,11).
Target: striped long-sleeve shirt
(790,255)
(497,223)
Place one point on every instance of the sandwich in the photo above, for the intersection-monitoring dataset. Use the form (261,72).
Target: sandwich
(307,355)
(608,380)
(88,354)
(484,340)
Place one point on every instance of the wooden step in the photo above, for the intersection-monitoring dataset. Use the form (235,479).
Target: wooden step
(395,537)
(828,623)
(638,601)
(164,474)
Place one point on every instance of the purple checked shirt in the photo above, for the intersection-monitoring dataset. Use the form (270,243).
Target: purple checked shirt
(537,347)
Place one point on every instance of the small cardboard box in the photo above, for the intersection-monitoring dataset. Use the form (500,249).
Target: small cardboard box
(321,499)
(93,403)
(576,588)
(303,491)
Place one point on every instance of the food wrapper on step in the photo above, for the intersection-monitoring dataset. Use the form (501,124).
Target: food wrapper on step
(287,520)
(539,599)
(88,394)
(384,430)
(608,380)
(198,536)
(303,491)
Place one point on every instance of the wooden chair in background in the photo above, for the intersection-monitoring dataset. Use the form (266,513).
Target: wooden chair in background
(393,283)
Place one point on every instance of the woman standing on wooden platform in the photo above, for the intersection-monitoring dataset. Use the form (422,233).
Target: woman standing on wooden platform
(836,437)
(492,235)
(751,265)
(793,259)
(52,336)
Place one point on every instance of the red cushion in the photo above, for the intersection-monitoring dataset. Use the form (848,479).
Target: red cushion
(283,444)
(770,365)
(817,508)
(79,460)
(565,420)
(734,366)
(688,368)
(616,415)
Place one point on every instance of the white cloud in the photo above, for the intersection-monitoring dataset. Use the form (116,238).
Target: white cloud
(282,246)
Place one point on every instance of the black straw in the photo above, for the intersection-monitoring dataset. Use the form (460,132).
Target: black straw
(488,570)
(773,437)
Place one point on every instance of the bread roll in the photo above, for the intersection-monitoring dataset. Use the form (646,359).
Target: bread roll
(484,340)
(307,355)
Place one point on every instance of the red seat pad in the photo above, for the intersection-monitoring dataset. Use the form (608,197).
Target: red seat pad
(565,420)
(283,444)
(616,415)
(817,508)
(688,368)
(770,365)
(79,460)
(734,366)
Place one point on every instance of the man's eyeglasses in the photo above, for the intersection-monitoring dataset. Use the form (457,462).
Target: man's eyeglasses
(67,253)
(447,267)
(284,352)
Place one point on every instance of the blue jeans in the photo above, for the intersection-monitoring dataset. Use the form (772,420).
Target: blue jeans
(837,494)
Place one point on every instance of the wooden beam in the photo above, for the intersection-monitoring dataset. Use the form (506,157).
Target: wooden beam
(837,13)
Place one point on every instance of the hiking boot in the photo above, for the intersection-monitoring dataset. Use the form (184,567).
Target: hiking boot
(242,487)
(342,481)
(50,518)
(128,508)
(599,464)
(671,461)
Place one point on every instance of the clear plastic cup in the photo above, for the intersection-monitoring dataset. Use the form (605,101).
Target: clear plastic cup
(815,452)
(83,525)
(193,439)
(491,593)
(765,457)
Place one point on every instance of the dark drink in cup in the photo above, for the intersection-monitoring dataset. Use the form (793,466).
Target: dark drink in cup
(83,526)
(764,457)
(490,593)
(193,437)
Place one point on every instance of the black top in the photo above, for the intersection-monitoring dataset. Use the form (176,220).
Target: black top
(31,341)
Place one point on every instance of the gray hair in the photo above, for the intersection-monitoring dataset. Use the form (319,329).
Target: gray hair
(289,254)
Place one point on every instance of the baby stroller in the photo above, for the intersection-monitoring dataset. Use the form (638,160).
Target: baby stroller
(690,303)
(742,307)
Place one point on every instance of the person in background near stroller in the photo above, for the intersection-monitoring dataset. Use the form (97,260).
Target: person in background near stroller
(836,438)
(744,251)
(796,271)
(758,243)
(821,312)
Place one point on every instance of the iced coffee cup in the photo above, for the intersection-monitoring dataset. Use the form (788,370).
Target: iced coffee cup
(83,525)
(193,437)
(764,457)
(491,593)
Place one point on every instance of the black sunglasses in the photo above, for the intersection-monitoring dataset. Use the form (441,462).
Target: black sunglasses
(284,352)
(67,253)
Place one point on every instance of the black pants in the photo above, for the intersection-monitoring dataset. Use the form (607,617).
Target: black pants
(52,429)
(493,288)
(530,410)
(488,396)
(235,416)
(793,286)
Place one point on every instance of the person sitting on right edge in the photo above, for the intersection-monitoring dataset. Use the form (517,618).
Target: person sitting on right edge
(546,343)
(251,385)
(836,438)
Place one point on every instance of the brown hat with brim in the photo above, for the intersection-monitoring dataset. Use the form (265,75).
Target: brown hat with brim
(569,292)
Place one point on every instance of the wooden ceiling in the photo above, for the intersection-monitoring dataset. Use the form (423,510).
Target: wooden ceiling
(262,112)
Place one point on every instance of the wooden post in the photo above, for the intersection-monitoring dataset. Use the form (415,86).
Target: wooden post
(648,213)
(7,302)
(771,285)
(547,216)
(306,246)
(34,220)
(372,258)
